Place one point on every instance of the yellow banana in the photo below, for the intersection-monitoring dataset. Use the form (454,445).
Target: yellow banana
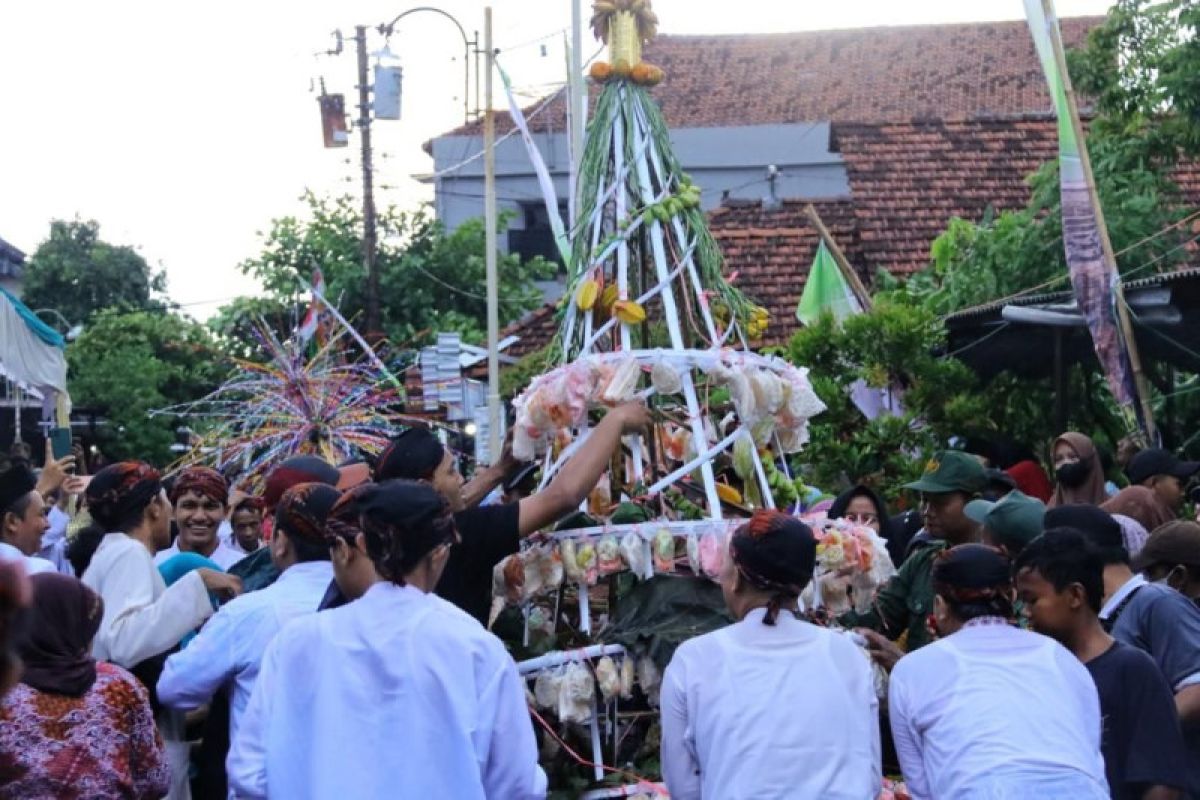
(629,311)
(728,494)
(585,298)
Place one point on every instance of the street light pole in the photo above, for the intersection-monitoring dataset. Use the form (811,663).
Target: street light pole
(374,331)
(489,222)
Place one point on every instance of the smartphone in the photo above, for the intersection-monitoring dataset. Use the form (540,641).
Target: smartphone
(60,442)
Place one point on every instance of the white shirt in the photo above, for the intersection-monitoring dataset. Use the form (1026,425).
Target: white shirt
(230,647)
(54,541)
(761,711)
(33,564)
(396,694)
(995,711)
(142,616)
(224,557)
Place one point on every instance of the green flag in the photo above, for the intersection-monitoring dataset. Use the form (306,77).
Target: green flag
(826,290)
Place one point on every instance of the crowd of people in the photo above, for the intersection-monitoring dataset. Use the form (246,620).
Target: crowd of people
(325,638)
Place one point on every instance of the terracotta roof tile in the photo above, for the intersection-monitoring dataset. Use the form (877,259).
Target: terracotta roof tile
(908,180)
(960,71)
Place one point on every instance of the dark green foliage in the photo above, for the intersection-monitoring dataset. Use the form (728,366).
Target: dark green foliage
(77,274)
(430,280)
(127,364)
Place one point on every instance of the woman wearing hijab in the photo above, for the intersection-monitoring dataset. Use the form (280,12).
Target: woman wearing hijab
(1078,473)
(862,505)
(991,710)
(75,728)
(1141,507)
(397,689)
(143,617)
(771,706)
(14,600)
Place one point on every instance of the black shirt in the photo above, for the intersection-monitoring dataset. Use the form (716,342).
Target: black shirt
(488,534)
(1141,740)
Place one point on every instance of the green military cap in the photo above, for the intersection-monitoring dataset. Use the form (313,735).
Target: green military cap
(951,471)
(1015,520)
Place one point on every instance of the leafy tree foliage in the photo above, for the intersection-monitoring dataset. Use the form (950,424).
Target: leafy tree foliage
(127,364)
(78,274)
(430,280)
(1143,68)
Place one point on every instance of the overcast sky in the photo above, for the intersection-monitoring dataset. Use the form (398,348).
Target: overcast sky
(184,129)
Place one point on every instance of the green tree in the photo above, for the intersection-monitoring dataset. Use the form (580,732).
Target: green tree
(895,344)
(236,325)
(128,364)
(78,274)
(430,280)
(1143,68)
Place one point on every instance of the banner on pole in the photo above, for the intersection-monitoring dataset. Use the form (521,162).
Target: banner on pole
(1093,275)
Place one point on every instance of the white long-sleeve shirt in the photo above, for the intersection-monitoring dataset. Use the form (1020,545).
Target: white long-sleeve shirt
(396,694)
(33,564)
(761,711)
(230,647)
(142,616)
(995,711)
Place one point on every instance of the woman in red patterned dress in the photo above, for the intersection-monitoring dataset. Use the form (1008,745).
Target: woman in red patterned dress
(75,728)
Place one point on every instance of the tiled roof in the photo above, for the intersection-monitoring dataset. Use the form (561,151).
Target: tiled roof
(908,179)
(960,71)
(906,182)
(771,252)
(535,330)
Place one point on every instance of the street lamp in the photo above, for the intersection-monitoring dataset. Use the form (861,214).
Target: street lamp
(369,254)
(469,46)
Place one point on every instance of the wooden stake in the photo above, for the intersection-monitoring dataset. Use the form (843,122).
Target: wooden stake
(1135,361)
(856,284)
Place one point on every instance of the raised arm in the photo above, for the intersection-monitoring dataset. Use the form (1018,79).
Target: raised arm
(579,475)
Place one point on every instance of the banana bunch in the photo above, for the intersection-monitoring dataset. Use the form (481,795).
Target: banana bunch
(756,322)
(785,492)
(602,11)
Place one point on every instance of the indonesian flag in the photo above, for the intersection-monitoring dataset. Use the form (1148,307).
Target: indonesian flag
(308,326)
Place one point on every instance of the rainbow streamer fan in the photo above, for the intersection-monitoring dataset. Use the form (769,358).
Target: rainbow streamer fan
(328,404)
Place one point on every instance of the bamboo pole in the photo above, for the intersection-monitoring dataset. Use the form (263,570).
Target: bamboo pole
(856,285)
(1135,360)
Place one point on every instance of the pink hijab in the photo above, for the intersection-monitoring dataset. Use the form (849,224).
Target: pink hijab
(1091,492)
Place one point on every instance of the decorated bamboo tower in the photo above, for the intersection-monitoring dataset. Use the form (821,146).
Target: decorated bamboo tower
(648,315)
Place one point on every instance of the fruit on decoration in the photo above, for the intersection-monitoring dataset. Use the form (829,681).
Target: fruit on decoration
(756,322)
(604,305)
(589,290)
(621,68)
(728,494)
(645,74)
(601,72)
(629,312)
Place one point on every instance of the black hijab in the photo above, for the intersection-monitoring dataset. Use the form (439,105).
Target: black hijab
(57,650)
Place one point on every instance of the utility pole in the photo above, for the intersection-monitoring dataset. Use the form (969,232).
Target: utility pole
(374,329)
(577,96)
(489,221)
